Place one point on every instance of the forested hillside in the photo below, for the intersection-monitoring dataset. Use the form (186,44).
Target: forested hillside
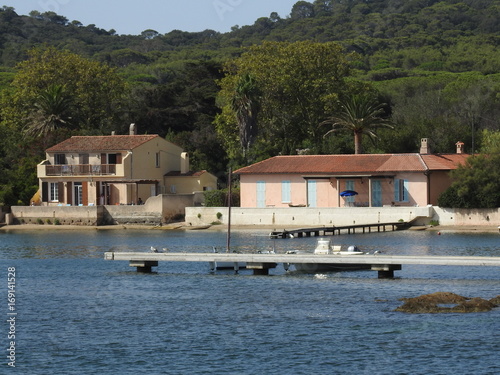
(435,65)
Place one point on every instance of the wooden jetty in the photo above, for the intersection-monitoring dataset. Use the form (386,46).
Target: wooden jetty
(332,230)
(385,265)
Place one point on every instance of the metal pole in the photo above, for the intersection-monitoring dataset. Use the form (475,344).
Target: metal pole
(229,213)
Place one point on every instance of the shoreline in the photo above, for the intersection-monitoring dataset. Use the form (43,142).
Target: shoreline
(223,227)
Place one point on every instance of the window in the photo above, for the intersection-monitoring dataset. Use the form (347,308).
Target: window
(401,190)
(157,161)
(286,192)
(54,192)
(261,194)
(111,159)
(311,193)
(59,159)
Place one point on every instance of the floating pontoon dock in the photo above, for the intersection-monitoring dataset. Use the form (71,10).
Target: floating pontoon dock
(332,230)
(385,265)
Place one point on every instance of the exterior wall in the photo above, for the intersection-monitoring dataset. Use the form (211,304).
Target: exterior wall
(143,163)
(328,190)
(308,216)
(439,182)
(417,189)
(187,185)
(467,217)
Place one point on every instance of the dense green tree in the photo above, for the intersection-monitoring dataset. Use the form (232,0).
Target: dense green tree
(297,81)
(490,141)
(96,90)
(475,184)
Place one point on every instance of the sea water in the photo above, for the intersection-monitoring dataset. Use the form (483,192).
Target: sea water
(79,314)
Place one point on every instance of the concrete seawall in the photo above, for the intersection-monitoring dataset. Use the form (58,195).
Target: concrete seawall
(310,217)
(307,216)
(165,208)
(162,208)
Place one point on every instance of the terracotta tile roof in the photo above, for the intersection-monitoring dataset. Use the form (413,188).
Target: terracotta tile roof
(352,164)
(101,143)
(444,161)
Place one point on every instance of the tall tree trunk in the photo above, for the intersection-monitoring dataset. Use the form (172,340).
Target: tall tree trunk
(358,146)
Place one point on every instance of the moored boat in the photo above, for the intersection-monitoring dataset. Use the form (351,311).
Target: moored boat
(324,247)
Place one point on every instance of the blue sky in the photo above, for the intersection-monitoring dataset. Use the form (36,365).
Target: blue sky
(134,16)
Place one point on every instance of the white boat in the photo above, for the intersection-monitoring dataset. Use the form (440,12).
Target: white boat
(324,247)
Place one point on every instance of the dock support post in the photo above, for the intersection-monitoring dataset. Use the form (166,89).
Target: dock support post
(260,268)
(386,274)
(143,265)
(261,272)
(386,271)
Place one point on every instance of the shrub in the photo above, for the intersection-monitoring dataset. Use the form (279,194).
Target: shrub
(218,198)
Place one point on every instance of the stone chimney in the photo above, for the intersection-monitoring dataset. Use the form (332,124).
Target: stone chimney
(460,147)
(132,129)
(184,162)
(425,147)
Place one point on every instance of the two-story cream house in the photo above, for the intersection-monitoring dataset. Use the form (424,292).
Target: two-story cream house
(116,169)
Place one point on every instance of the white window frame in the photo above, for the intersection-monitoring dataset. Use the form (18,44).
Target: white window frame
(54,191)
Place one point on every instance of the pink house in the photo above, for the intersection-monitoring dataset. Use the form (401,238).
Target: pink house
(378,179)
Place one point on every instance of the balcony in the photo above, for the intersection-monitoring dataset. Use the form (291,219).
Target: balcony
(80,170)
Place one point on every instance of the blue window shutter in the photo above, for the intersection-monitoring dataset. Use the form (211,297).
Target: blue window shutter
(261,194)
(286,192)
(406,197)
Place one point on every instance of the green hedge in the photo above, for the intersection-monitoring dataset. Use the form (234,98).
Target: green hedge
(218,198)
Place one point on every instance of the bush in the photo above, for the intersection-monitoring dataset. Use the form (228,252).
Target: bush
(218,198)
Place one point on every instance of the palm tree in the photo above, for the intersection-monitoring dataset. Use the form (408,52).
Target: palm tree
(246,106)
(360,114)
(51,110)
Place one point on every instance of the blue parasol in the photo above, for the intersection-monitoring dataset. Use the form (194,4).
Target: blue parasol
(348,193)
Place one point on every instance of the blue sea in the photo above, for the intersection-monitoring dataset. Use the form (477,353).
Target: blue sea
(76,313)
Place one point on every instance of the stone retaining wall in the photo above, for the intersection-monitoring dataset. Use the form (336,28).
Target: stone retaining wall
(162,208)
(310,217)
(307,216)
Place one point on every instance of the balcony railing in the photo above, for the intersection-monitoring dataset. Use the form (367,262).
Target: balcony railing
(80,170)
